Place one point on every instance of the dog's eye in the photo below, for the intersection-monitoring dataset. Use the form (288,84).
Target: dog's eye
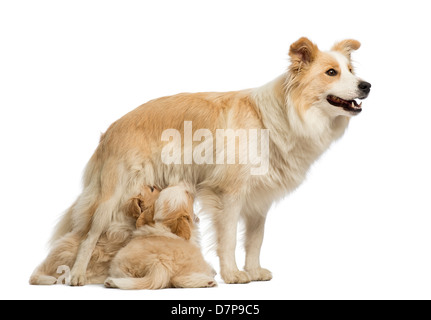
(331,72)
(152,189)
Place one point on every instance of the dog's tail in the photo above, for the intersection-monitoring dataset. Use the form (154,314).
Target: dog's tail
(64,225)
(158,278)
(41,279)
(79,215)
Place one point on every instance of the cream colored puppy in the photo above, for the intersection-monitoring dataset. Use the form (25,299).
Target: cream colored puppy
(164,251)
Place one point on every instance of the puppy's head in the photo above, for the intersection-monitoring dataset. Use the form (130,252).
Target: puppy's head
(180,223)
(325,80)
(174,208)
(141,207)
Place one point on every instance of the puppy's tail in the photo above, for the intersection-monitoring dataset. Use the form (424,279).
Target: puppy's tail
(158,278)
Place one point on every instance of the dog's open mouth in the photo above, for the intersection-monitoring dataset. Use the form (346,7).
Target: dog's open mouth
(348,105)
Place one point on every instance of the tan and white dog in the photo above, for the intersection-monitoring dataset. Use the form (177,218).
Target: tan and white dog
(304,110)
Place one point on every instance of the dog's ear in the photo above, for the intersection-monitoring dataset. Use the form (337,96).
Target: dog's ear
(146,217)
(303,51)
(133,207)
(346,46)
(180,225)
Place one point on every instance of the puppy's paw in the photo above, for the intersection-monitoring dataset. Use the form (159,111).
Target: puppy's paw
(109,283)
(259,274)
(211,284)
(77,279)
(235,276)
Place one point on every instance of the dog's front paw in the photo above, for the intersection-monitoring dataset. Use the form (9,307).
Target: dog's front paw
(235,276)
(259,274)
(77,279)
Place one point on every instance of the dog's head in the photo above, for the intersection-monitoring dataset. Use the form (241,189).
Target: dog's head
(174,208)
(325,80)
(141,207)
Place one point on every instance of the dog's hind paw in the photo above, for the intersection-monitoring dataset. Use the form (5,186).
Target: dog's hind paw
(78,280)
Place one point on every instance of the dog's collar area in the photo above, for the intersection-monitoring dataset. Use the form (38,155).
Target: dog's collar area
(348,105)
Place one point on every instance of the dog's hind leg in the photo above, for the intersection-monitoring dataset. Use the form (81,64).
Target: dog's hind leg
(99,224)
(106,197)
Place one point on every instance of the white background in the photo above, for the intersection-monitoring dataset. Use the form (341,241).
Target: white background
(358,227)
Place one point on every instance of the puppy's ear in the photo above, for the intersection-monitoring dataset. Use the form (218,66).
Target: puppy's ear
(303,52)
(133,207)
(346,46)
(146,217)
(180,225)
(183,228)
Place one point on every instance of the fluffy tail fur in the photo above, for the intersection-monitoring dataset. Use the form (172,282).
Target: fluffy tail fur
(157,278)
(41,279)
(64,226)
(78,216)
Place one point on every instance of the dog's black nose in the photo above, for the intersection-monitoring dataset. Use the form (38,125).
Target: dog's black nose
(364,86)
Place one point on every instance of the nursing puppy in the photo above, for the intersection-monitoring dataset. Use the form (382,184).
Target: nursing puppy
(62,256)
(304,110)
(164,251)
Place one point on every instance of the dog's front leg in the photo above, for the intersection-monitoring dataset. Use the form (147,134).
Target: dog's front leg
(255,225)
(226,225)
